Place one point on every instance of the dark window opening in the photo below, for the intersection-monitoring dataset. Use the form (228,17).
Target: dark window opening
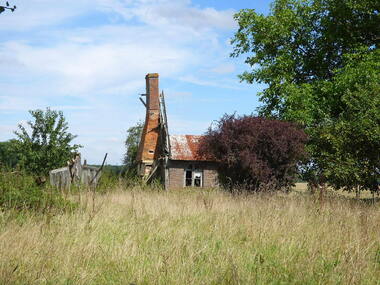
(188,178)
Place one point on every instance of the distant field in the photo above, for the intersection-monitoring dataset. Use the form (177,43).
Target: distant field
(192,237)
(302,188)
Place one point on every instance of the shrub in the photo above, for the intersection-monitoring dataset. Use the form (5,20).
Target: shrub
(254,152)
(19,191)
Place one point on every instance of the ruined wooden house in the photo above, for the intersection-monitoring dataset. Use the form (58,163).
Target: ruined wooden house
(173,159)
(74,173)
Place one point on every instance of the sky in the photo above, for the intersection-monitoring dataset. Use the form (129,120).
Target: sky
(89,58)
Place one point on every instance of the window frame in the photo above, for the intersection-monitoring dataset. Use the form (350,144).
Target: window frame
(195,170)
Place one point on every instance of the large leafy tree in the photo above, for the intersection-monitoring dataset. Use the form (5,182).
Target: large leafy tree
(254,152)
(320,62)
(48,144)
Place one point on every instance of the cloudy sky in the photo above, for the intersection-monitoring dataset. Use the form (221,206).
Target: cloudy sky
(89,58)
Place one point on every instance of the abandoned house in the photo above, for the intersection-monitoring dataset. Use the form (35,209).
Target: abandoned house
(171,158)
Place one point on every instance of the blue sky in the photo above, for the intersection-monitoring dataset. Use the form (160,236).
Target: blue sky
(89,59)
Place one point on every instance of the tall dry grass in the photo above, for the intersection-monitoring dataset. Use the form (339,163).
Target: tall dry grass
(191,237)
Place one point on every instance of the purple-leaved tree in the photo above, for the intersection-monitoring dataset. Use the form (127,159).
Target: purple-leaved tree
(255,153)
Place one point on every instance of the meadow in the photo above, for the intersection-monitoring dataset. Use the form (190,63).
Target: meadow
(135,236)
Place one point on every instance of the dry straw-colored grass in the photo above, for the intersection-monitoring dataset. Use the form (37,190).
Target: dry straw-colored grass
(191,237)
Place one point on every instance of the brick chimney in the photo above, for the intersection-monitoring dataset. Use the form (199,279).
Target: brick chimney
(149,139)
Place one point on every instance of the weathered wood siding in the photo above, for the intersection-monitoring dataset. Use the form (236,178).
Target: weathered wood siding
(60,178)
(75,173)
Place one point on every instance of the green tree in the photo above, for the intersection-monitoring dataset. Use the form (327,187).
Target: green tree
(48,146)
(8,153)
(320,62)
(347,145)
(132,146)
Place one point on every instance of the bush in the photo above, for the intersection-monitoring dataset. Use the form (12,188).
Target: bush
(19,191)
(46,143)
(254,152)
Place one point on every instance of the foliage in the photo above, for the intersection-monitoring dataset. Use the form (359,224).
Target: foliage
(19,191)
(254,151)
(8,154)
(48,145)
(109,179)
(320,62)
(302,42)
(118,176)
(346,142)
(132,146)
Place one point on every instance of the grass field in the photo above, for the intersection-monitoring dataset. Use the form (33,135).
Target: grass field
(364,195)
(192,237)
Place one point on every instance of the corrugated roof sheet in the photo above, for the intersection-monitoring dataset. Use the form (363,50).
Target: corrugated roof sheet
(184,147)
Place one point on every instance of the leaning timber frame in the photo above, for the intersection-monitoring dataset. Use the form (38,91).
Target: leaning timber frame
(164,144)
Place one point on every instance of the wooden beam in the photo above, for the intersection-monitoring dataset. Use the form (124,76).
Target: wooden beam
(142,101)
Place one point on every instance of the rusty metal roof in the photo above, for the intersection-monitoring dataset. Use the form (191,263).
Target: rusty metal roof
(184,147)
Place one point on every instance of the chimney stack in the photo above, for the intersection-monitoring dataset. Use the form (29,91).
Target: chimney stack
(152,91)
(148,148)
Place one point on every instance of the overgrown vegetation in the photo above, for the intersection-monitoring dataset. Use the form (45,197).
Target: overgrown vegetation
(19,191)
(9,157)
(255,153)
(44,144)
(193,237)
(320,62)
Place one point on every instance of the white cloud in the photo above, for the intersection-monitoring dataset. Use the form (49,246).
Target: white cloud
(174,95)
(189,127)
(9,103)
(224,68)
(36,13)
(215,82)
(83,69)
(176,36)
(177,13)
(71,107)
